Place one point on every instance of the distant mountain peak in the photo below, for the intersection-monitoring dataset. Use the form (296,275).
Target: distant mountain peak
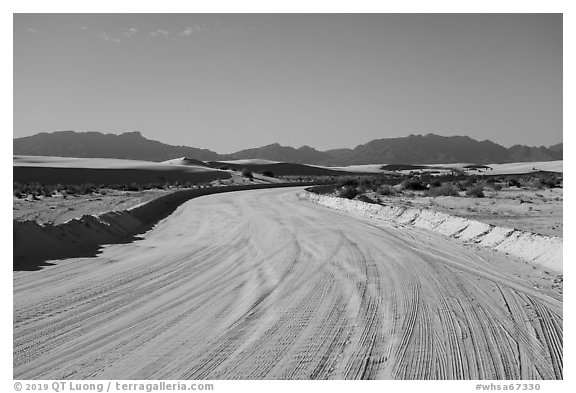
(133,134)
(413,149)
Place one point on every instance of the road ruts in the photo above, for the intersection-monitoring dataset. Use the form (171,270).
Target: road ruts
(264,285)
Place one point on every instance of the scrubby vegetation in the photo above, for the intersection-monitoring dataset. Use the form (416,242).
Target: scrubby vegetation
(444,189)
(35,190)
(475,192)
(414,184)
(247,174)
(348,192)
(349,182)
(453,184)
(386,190)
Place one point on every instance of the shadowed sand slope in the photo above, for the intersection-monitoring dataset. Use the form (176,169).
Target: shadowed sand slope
(263,285)
(279,168)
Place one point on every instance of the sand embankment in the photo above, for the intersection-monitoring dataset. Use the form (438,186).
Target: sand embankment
(34,243)
(542,250)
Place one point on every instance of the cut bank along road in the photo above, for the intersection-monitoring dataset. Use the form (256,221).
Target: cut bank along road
(264,285)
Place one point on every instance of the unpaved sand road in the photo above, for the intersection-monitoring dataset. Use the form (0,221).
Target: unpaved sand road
(259,284)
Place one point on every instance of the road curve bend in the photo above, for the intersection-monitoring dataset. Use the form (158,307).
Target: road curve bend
(264,285)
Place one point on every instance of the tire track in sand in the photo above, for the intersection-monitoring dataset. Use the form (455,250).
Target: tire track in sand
(262,285)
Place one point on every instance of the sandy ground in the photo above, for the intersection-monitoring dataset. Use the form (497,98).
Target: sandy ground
(538,211)
(58,210)
(260,284)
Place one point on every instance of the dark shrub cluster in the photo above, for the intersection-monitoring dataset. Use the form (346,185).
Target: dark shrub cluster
(445,189)
(414,184)
(33,189)
(434,183)
(386,190)
(514,182)
(551,181)
(348,192)
(367,184)
(475,192)
(350,182)
(364,198)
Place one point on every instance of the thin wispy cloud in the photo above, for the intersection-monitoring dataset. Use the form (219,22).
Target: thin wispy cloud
(130,32)
(159,33)
(32,30)
(84,28)
(107,38)
(213,27)
(188,31)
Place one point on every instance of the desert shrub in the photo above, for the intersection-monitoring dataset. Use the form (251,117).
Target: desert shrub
(71,189)
(365,198)
(88,188)
(133,187)
(348,193)
(247,174)
(550,182)
(471,181)
(18,190)
(347,182)
(461,185)
(475,192)
(445,189)
(268,174)
(534,183)
(435,183)
(366,183)
(514,182)
(47,191)
(497,187)
(386,189)
(413,184)
(30,188)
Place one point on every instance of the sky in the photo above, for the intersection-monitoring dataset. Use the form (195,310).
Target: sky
(232,81)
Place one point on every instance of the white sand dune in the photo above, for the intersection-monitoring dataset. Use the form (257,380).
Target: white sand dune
(185,161)
(251,161)
(512,168)
(96,163)
(74,162)
(66,170)
(525,167)
(264,285)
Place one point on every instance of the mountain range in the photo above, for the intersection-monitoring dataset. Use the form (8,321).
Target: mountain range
(412,149)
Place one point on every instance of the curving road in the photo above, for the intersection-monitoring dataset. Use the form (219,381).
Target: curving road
(263,285)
